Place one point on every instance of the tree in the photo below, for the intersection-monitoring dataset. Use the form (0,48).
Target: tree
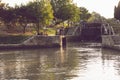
(84,14)
(117,11)
(96,17)
(9,16)
(38,12)
(22,16)
(44,13)
(65,10)
(58,6)
(2,10)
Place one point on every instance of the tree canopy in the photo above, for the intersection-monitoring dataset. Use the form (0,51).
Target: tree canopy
(96,17)
(84,14)
(43,13)
(117,11)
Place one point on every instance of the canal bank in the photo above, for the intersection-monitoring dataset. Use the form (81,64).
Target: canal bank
(37,41)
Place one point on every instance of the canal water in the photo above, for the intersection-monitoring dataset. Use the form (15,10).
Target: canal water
(75,62)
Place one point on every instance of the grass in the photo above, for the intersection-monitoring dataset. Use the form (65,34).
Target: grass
(19,38)
(51,31)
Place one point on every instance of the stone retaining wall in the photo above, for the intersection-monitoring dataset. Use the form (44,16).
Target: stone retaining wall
(107,40)
(37,41)
(42,41)
(111,41)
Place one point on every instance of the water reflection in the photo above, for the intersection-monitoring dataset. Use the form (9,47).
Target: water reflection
(97,64)
(111,59)
(76,62)
(42,64)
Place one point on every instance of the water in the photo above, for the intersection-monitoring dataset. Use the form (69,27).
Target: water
(75,62)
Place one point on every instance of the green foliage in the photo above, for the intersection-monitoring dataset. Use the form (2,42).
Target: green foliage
(51,31)
(44,13)
(47,13)
(38,12)
(84,14)
(115,24)
(7,13)
(74,13)
(96,17)
(117,11)
(65,10)
(56,4)
(41,13)
(2,5)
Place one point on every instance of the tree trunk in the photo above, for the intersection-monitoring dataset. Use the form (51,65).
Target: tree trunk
(24,28)
(38,29)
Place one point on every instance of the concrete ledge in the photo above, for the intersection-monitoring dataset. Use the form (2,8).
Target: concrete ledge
(111,42)
(19,46)
(107,40)
(37,42)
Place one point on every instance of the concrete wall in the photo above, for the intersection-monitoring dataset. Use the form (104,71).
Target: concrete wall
(39,40)
(110,40)
(107,40)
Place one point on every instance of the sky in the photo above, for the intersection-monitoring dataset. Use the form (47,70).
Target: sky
(104,7)
(14,2)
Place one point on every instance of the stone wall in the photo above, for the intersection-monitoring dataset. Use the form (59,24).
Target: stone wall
(107,40)
(39,40)
(110,40)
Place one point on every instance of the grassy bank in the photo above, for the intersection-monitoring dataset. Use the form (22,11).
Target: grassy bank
(19,37)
